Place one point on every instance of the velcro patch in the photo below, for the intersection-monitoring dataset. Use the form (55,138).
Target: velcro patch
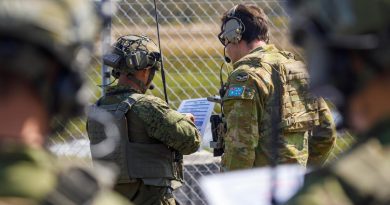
(241,77)
(235,91)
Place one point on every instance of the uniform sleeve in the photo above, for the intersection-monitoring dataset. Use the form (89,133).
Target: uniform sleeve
(323,139)
(321,188)
(241,114)
(168,126)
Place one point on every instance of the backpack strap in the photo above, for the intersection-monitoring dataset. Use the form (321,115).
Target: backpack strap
(126,105)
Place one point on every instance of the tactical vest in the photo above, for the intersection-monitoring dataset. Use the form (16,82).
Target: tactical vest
(299,110)
(135,160)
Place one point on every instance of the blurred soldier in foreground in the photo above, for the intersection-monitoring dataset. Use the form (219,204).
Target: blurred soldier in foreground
(44,45)
(151,132)
(348,48)
(266,83)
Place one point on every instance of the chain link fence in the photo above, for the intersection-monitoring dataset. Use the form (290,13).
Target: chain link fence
(192,59)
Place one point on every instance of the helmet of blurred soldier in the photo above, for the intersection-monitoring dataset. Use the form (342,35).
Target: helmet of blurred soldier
(132,53)
(347,43)
(49,43)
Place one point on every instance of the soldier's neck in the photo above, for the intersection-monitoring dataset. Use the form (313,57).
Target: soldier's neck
(136,81)
(23,118)
(124,80)
(255,44)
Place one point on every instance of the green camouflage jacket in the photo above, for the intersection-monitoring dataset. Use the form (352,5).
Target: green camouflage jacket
(151,117)
(247,108)
(361,176)
(31,176)
(160,122)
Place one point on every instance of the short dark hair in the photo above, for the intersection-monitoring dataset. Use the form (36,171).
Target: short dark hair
(254,20)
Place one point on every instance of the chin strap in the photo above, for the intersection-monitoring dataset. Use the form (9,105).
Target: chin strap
(143,87)
(138,82)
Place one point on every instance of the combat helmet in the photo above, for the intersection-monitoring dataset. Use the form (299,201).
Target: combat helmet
(131,53)
(36,33)
(337,32)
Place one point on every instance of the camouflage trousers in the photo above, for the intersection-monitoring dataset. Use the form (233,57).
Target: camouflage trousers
(141,194)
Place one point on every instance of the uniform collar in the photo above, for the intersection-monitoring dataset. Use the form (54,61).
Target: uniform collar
(255,54)
(119,89)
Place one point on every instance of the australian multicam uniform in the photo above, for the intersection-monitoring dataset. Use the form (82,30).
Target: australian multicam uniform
(247,108)
(361,176)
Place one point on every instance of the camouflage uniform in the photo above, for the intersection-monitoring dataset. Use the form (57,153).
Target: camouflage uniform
(247,108)
(40,46)
(151,121)
(345,65)
(32,176)
(354,178)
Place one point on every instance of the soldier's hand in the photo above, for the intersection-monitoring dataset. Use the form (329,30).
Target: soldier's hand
(190,116)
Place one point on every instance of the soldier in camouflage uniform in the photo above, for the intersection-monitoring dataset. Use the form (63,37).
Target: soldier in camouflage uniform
(44,45)
(152,134)
(350,40)
(307,128)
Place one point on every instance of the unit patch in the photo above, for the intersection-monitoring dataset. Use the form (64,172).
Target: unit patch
(235,91)
(241,77)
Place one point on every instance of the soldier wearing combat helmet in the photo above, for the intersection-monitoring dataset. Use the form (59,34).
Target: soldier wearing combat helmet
(268,84)
(348,48)
(44,47)
(151,133)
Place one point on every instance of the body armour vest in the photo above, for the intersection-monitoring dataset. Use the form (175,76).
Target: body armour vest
(299,109)
(143,158)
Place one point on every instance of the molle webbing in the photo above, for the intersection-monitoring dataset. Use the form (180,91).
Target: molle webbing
(97,133)
(299,109)
(136,160)
(149,161)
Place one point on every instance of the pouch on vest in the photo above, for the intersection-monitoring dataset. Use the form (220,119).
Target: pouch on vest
(135,160)
(97,133)
(300,111)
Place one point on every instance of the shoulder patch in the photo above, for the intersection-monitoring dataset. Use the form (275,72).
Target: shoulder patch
(241,77)
(235,91)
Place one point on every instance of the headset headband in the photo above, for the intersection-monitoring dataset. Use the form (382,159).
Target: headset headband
(232,28)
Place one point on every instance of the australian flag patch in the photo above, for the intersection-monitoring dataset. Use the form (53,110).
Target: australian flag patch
(236,91)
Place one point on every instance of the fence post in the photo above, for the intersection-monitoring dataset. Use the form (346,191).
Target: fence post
(106,40)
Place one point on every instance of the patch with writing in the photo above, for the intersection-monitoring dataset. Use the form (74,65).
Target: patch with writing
(235,91)
(241,77)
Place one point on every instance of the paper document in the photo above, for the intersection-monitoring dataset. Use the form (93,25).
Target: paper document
(201,109)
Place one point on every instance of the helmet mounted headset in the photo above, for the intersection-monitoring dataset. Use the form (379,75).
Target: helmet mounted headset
(133,53)
(130,54)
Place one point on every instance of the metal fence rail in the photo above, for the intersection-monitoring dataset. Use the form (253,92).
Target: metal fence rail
(192,54)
